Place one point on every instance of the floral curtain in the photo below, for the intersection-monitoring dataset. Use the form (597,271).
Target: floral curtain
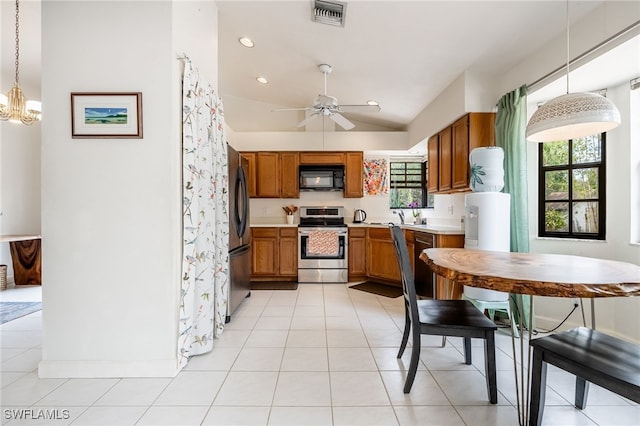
(375,177)
(205,263)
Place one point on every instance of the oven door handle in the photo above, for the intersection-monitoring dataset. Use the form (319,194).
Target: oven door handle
(340,233)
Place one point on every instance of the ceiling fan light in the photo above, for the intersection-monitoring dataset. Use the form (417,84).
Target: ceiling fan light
(372,103)
(262,80)
(573,115)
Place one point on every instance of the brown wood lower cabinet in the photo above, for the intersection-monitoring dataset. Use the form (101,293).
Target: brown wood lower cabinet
(357,252)
(371,256)
(382,264)
(423,274)
(274,253)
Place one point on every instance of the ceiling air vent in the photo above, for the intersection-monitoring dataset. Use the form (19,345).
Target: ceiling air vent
(329,12)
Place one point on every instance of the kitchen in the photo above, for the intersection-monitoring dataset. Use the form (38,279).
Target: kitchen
(113,200)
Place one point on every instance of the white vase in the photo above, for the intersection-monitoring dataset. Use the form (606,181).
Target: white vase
(487,169)
(289,219)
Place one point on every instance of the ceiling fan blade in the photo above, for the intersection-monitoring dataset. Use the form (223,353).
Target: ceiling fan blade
(307,120)
(341,121)
(359,108)
(292,109)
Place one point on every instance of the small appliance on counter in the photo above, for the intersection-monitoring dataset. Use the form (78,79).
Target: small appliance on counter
(359,216)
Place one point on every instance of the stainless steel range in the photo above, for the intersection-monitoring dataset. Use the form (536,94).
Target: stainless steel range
(322,245)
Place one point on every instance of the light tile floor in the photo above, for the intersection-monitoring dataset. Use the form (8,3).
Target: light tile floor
(321,355)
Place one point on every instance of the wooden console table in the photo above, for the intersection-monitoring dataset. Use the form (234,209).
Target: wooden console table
(26,258)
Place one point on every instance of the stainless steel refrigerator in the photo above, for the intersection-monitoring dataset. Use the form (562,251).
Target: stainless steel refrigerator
(239,232)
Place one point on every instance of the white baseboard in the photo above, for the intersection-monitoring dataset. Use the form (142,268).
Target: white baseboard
(547,323)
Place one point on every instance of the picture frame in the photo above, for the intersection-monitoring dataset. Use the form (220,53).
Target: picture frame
(102,115)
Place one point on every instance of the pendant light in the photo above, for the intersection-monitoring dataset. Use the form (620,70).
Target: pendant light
(573,115)
(14,106)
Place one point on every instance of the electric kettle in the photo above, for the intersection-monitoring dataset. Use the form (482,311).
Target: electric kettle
(359,216)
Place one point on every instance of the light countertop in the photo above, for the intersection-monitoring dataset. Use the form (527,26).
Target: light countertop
(433,229)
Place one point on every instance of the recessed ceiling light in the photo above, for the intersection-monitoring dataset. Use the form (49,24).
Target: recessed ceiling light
(372,103)
(262,80)
(246,42)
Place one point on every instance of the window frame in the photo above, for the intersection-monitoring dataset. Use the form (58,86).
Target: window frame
(423,183)
(601,199)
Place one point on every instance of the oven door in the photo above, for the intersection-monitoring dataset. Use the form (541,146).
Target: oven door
(312,257)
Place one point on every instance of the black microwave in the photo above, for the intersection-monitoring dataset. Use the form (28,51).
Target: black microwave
(321,178)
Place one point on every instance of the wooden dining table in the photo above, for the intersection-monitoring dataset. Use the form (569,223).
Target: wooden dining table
(535,274)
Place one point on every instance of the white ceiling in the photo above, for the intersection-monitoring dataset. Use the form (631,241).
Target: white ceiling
(401,53)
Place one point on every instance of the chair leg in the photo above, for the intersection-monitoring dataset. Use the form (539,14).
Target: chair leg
(405,333)
(582,392)
(413,365)
(467,350)
(538,388)
(490,366)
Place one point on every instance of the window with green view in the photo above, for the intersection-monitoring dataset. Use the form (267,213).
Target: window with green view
(407,184)
(571,189)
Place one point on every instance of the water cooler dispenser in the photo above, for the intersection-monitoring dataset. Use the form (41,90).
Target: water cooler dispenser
(487,227)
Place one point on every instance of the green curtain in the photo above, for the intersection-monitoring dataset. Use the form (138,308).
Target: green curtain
(511,123)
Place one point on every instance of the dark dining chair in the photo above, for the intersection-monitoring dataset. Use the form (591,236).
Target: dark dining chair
(457,318)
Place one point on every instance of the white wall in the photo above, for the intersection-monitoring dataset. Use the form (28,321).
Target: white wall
(19,144)
(111,210)
(620,316)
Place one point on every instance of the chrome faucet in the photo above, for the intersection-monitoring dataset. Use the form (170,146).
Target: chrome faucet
(401,214)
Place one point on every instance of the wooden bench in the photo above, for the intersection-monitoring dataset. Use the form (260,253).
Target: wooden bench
(593,357)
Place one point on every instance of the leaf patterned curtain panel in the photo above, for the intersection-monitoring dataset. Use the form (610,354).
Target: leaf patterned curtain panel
(376,177)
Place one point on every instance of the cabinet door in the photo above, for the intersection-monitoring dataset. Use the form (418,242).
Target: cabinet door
(353,175)
(321,157)
(268,175)
(289,187)
(482,130)
(444,160)
(357,253)
(444,289)
(460,160)
(251,175)
(381,256)
(288,251)
(432,164)
(264,258)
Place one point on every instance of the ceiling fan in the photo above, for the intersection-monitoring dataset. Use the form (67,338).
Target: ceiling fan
(327,106)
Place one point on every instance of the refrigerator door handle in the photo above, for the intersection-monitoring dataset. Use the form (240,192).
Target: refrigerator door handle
(241,200)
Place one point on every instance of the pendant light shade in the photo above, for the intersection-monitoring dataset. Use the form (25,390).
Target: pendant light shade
(573,115)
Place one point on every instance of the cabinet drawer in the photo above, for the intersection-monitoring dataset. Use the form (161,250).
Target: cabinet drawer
(288,232)
(380,233)
(357,232)
(264,232)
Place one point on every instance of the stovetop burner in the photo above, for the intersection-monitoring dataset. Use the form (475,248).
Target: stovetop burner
(323,216)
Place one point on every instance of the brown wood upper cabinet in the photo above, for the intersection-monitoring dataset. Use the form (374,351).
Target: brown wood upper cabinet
(448,151)
(353,174)
(275,174)
(272,174)
(321,157)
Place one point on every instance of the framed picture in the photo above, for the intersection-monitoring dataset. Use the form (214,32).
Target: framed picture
(106,115)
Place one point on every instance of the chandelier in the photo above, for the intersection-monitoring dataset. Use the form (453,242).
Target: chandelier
(14,106)
(573,115)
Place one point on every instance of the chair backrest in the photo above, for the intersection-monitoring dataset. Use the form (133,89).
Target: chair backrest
(404,263)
